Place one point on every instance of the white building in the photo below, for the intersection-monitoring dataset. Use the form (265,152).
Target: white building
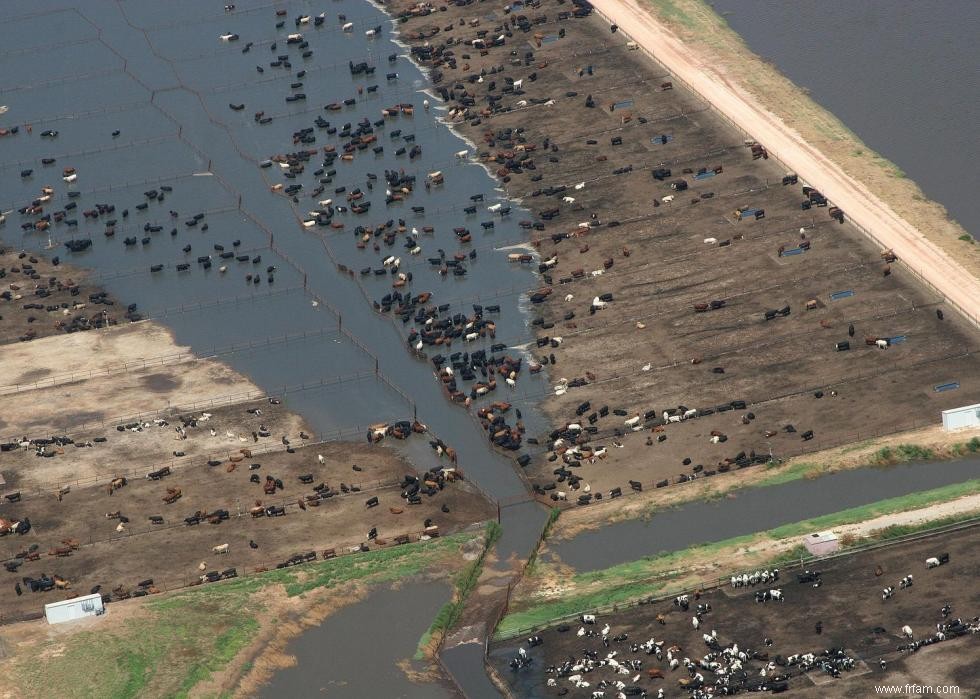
(961,418)
(70,609)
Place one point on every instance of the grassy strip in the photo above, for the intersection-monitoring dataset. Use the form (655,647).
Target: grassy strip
(171,644)
(886,456)
(450,612)
(964,448)
(863,513)
(553,516)
(618,584)
(803,469)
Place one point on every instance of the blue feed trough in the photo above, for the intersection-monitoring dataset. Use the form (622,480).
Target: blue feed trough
(897,340)
(623,104)
(662,139)
(838,295)
(748,212)
(793,251)
(705,175)
(951,386)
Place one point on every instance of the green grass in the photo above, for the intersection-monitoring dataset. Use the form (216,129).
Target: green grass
(532,559)
(863,513)
(967,238)
(788,474)
(964,448)
(616,585)
(672,12)
(177,642)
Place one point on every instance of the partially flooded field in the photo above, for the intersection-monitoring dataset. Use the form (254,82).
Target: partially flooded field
(274,185)
(694,317)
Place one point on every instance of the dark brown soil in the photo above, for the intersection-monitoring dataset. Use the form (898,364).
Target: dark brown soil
(848,604)
(648,350)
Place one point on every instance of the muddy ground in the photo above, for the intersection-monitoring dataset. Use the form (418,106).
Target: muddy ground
(848,604)
(171,551)
(63,294)
(648,350)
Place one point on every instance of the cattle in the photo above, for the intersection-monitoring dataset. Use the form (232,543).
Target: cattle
(934,562)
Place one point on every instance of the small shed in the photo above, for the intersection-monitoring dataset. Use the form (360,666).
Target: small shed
(821,543)
(71,609)
(961,418)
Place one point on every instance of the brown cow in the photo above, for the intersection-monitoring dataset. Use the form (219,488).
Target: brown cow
(115,484)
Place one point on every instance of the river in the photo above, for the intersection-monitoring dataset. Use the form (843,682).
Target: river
(902,75)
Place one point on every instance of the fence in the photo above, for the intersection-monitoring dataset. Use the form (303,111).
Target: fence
(846,438)
(341,551)
(905,264)
(208,403)
(721,582)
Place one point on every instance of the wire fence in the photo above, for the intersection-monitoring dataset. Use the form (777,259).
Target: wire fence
(315,553)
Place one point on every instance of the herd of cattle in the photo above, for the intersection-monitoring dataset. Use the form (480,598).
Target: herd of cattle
(413,489)
(52,301)
(38,216)
(633,661)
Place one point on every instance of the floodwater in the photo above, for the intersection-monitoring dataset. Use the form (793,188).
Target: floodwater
(752,510)
(354,652)
(158,74)
(902,75)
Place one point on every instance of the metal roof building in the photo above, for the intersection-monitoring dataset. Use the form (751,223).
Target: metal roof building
(71,609)
(961,418)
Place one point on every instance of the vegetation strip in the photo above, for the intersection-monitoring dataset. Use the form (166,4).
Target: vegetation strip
(650,575)
(169,646)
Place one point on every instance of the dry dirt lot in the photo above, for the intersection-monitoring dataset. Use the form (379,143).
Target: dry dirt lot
(98,396)
(848,604)
(648,350)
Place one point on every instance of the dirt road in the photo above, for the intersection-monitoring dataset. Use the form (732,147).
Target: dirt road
(960,288)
